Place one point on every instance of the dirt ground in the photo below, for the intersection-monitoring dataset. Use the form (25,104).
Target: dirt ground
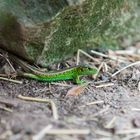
(110,111)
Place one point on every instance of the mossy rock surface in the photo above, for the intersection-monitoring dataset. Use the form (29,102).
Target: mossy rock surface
(49,31)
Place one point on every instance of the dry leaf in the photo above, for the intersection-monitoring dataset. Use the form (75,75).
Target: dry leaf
(76,90)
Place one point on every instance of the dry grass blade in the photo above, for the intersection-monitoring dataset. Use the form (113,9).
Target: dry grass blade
(101,111)
(53,106)
(135,109)
(139,86)
(104,138)
(5,56)
(99,54)
(107,56)
(68,131)
(131,137)
(6,102)
(93,103)
(86,54)
(91,117)
(10,64)
(130,65)
(105,85)
(98,70)
(11,80)
(134,52)
(42,133)
(129,131)
(5,135)
(6,109)
(111,122)
(103,133)
(60,84)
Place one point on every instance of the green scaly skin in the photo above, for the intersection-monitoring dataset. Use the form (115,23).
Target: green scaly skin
(68,74)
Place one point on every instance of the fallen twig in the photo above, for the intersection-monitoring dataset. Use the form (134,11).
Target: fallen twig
(53,106)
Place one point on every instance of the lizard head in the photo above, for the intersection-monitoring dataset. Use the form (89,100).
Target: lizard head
(86,70)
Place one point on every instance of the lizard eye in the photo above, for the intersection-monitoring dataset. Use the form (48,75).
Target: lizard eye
(89,68)
(81,70)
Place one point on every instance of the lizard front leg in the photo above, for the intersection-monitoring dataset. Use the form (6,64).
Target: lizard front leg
(77,80)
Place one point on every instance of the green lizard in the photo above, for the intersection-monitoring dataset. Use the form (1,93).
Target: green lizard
(67,74)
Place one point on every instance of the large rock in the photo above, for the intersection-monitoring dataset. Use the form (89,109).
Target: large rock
(48,31)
